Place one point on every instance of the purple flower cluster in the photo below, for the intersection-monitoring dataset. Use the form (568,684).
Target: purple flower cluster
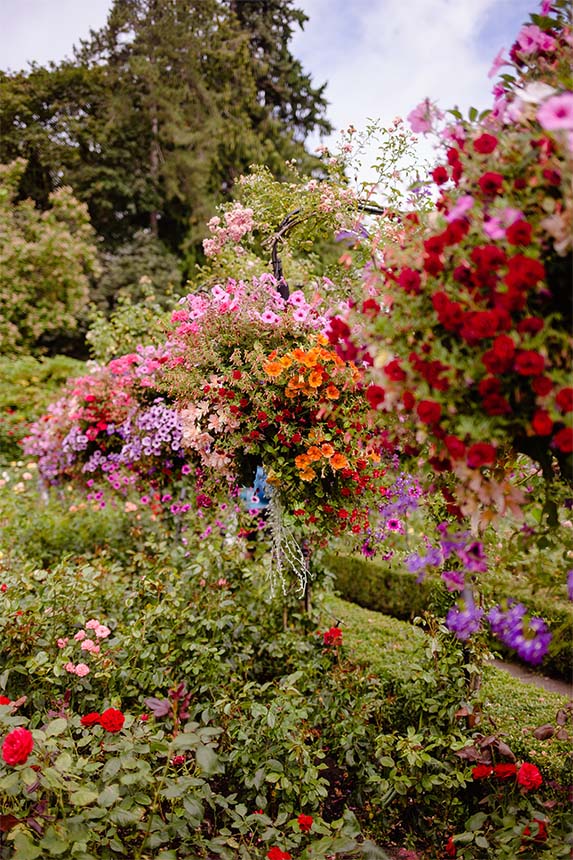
(464,620)
(529,637)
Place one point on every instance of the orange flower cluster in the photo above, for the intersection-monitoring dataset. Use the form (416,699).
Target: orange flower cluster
(313,455)
(308,370)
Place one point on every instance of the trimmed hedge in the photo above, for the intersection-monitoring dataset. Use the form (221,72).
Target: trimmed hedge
(369,584)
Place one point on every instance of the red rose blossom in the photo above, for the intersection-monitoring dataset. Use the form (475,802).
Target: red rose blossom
(505,770)
(530,325)
(433,265)
(529,363)
(394,371)
(375,395)
(455,446)
(524,272)
(519,233)
(490,183)
(496,404)
(275,853)
(112,720)
(564,399)
(429,411)
(485,143)
(408,400)
(541,831)
(305,822)
(480,454)
(482,771)
(91,719)
(563,440)
(528,776)
(410,281)
(542,385)
(542,423)
(440,175)
(17,746)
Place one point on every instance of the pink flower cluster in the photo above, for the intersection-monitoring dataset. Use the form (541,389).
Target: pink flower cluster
(238,222)
(89,645)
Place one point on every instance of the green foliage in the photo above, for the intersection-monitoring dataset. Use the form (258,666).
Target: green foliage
(45,260)
(27,386)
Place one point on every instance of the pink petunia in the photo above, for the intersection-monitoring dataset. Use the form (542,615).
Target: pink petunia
(497,63)
(556,113)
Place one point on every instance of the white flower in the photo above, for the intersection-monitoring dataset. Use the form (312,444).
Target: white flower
(536,92)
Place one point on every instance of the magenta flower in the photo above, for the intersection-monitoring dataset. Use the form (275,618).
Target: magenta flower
(556,113)
(422,116)
(497,63)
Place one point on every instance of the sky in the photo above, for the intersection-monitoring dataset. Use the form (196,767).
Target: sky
(379,58)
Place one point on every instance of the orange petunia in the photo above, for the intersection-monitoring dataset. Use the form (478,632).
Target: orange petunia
(314,453)
(315,379)
(273,368)
(339,461)
(332,392)
(298,354)
(327,449)
(302,461)
(307,475)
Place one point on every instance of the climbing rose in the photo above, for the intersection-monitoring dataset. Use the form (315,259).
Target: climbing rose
(17,746)
(112,720)
(305,822)
(528,776)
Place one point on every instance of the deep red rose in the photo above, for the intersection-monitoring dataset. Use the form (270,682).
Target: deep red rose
(17,746)
(429,411)
(370,308)
(91,719)
(505,770)
(542,385)
(410,281)
(433,264)
(450,848)
(440,175)
(564,399)
(530,325)
(478,325)
(455,231)
(488,386)
(456,447)
(529,363)
(112,720)
(275,853)
(375,395)
(457,171)
(511,299)
(452,155)
(462,274)
(488,256)
(528,776)
(333,636)
(485,143)
(482,771)
(563,440)
(541,831)
(408,400)
(542,423)
(490,183)
(524,272)
(496,404)
(435,244)
(4,700)
(305,822)
(480,454)
(519,233)
(394,371)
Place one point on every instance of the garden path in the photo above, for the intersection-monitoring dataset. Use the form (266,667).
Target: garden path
(528,676)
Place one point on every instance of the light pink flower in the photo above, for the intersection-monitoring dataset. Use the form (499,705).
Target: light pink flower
(82,670)
(297,299)
(61,643)
(497,63)
(69,667)
(92,624)
(81,634)
(90,645)
(556,113)
(420,118)
(269,317)
(462,207)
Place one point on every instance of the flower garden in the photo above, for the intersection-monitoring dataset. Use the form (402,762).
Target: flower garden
(197,531)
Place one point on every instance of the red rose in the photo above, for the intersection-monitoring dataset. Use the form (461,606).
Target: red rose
(408,400)
(410,281)
(505,770)
(490,183)
(542,385)
(450,848)
(563,440)
(91,719)
(528,776)
(481,771)
(375,395)
(277,854)
(524,272)
(530,325)
(429,411)
(480,454)
(478,325)
(433,264)
(462,274)
(485,143)
(440,175)
(488,257)
(455,446)
(435,244)
(519,233)
(542,423)
(564,399)
(333,636)
(496,404)
(17,746)
(489,385)
(529,363)
(4,700)
(305,822)
(394,371)
(112,720)
(541,831)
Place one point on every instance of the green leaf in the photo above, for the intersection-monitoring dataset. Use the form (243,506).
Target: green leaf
(186,741)
(56,727)
(83,797)
(109,795)
(24,848)
(207,759)
(63,762)
(56,840)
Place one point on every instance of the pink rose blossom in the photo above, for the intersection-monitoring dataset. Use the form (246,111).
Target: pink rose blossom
(90,645)
(92,624)
(82,670)
(69,667)
(81,634)
(101,631)
(61,643)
